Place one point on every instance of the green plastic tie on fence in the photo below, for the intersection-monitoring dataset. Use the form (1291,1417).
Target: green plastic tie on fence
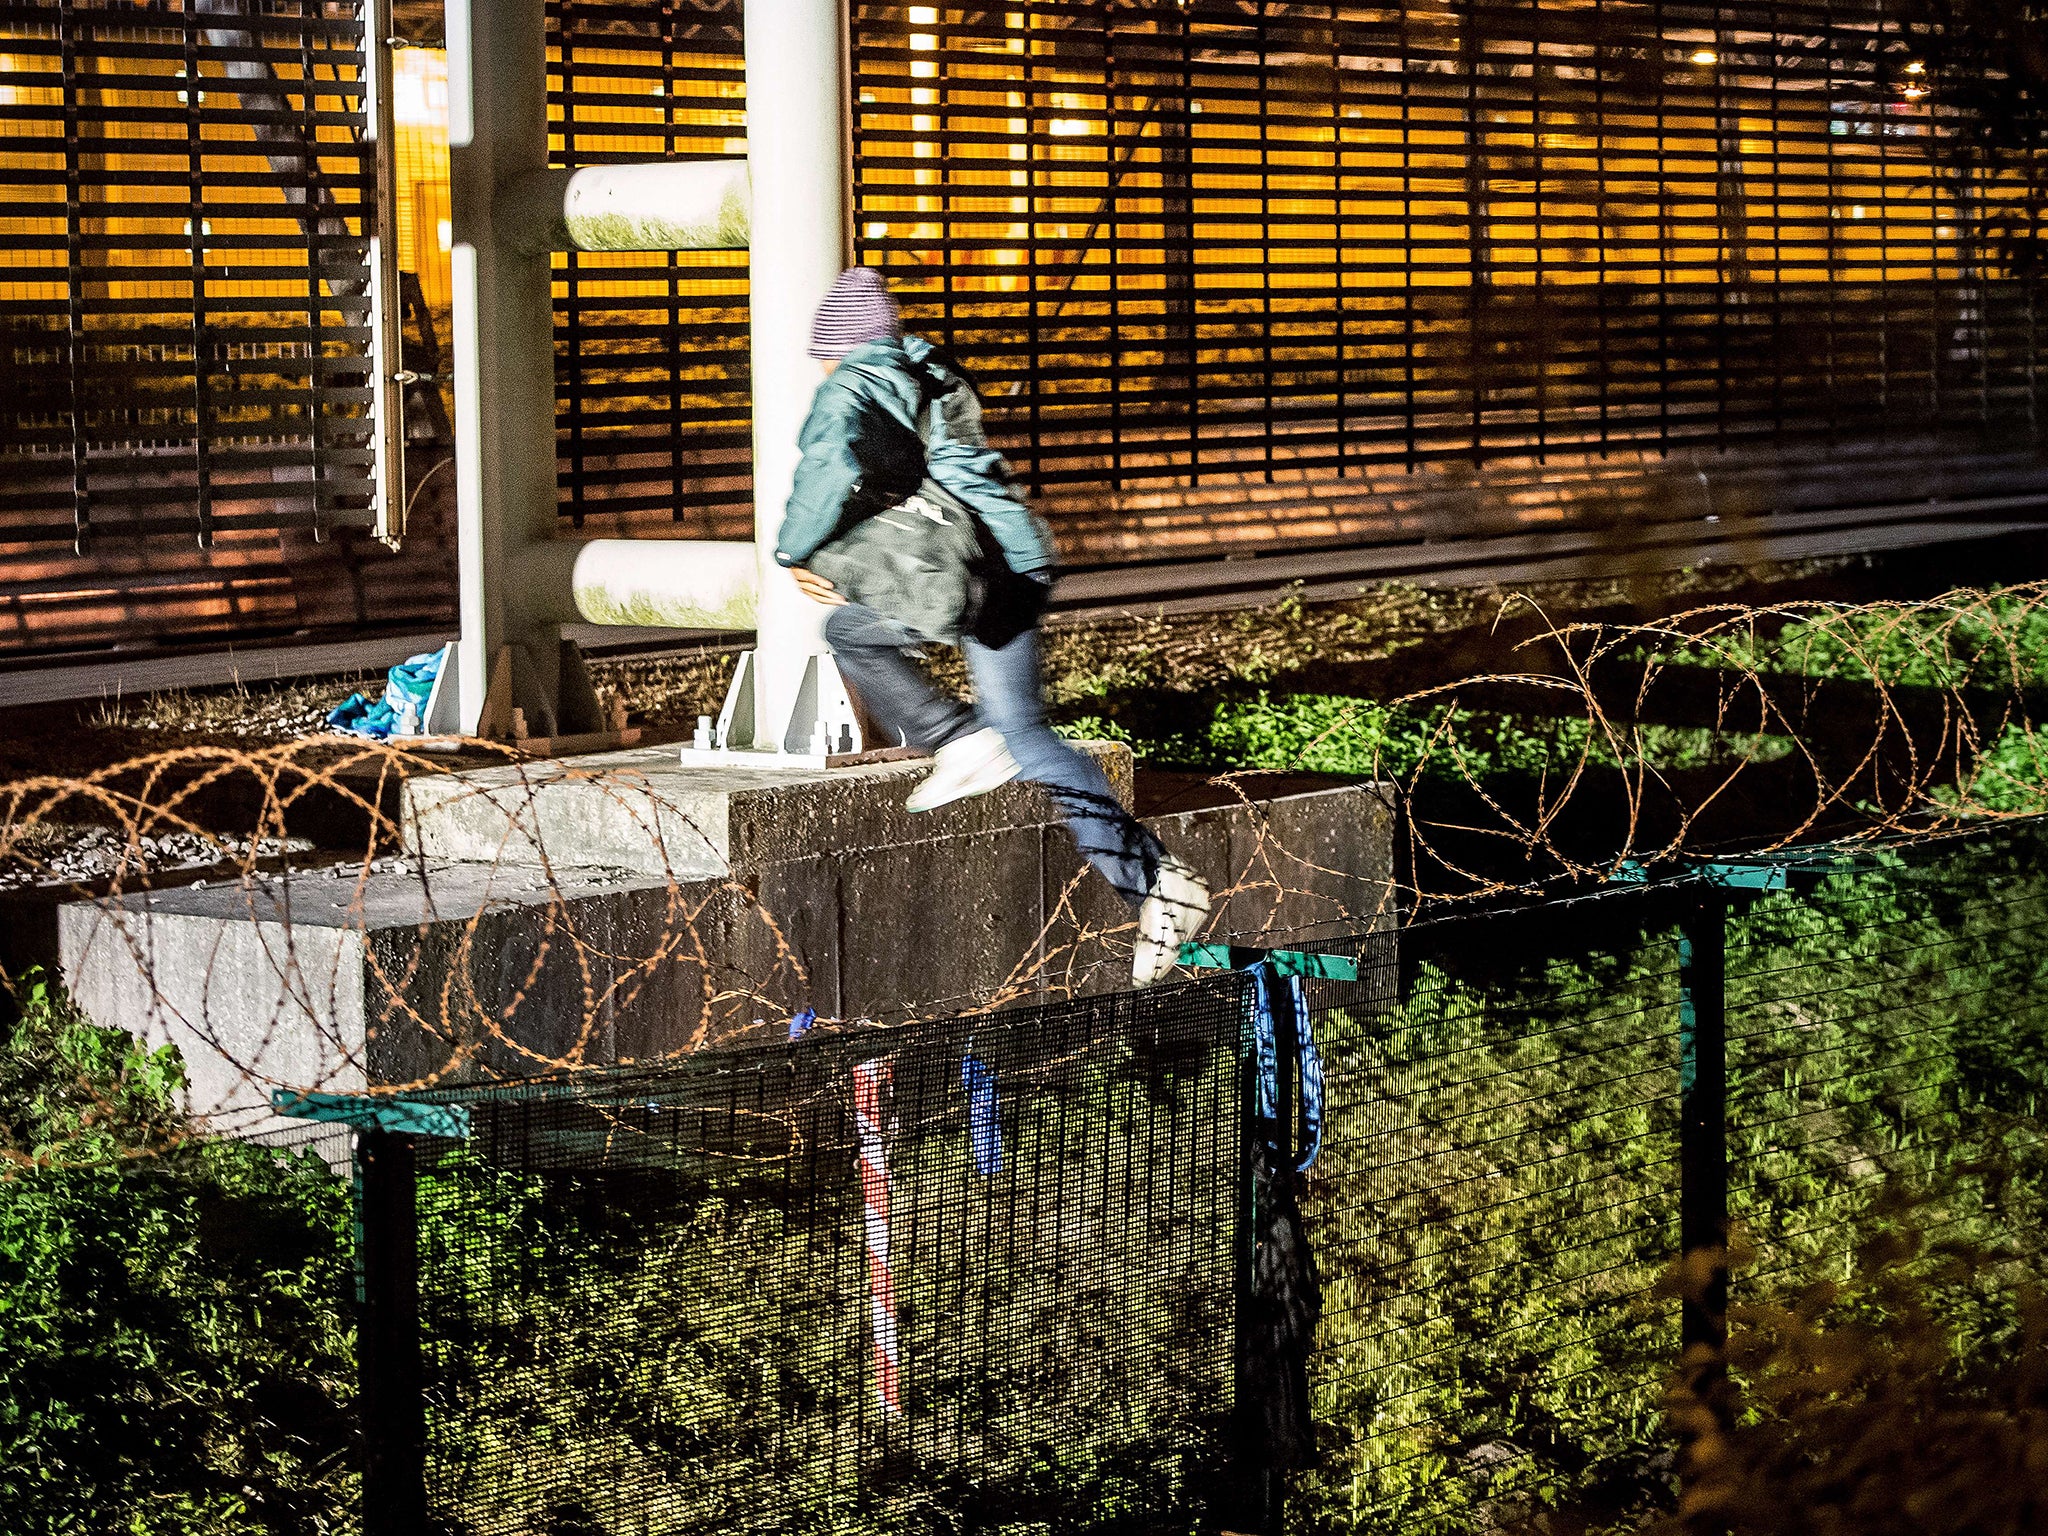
(371,1113)
(1745,877)
(1285,962)
(1768,872)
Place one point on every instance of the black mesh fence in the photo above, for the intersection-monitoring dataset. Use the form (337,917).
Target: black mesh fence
(1889,1031)
(1520,1143)
(1382,1238)
(1497,1197)
(947,1277)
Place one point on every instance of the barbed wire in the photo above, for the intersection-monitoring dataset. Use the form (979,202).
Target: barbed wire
(381,968)
(1879,720)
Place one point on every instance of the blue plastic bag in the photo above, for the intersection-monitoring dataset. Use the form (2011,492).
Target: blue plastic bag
(411,681)
(348,715)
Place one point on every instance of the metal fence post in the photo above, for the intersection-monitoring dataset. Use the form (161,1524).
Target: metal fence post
(1243,1503)
(1282,1222)
(388,1340)
(1703,1143)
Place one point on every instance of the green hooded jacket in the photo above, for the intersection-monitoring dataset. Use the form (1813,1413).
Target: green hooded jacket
(862,453)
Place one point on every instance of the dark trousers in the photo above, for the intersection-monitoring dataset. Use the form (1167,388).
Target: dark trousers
(1004,662)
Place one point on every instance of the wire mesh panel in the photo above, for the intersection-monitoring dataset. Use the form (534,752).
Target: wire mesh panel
(183,270)
(1394,1252)
(1888,1039)
(977,1275)
(1495,1201)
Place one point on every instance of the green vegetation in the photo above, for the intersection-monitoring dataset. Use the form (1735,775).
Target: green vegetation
(175,1353)
(1882,1404)
(1996,639)
(1497,1204)
(1978,659)
(1446,743)
(1249,718)
(1497,1191)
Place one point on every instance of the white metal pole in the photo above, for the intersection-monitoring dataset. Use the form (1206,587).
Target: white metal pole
(796,150)
(387,346)
(502,345)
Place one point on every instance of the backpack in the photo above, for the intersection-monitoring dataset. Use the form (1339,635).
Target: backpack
(923,560)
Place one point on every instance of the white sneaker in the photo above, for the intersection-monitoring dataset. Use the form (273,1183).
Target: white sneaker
(1172,914)
(972,765)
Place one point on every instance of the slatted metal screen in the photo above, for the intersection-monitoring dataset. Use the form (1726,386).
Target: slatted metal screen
(1201,256)
(1196,250)
(653,404)
(183,277)
(1221,243)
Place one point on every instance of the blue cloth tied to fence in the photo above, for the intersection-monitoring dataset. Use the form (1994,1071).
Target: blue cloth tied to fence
(984,1134)
(410,682)
(1266,1043)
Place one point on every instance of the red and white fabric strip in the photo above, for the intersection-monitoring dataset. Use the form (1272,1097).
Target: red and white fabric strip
(870,1082)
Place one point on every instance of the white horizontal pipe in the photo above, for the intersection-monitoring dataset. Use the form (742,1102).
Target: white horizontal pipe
(667,205)
(672,583)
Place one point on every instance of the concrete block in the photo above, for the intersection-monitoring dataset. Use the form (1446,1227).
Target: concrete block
(801,932)
(308,981)
(1310,867)
(617,810)
(252,999)
(645,812)
(939,927)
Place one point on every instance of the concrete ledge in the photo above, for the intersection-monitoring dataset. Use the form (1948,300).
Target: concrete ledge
(643,810)
(309,981)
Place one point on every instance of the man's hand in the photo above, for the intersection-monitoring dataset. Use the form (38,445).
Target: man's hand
(817,588)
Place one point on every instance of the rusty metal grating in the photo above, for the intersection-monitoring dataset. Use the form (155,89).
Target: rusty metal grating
(183,278)
(1186,242)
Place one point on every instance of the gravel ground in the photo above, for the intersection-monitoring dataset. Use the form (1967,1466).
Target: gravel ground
(69,854)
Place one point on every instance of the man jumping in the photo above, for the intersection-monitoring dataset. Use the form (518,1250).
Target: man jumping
(895,414)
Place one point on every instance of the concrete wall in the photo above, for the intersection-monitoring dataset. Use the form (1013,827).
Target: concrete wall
(252,999)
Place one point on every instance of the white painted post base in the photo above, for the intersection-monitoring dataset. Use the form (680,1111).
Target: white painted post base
(443,714)
(823,729)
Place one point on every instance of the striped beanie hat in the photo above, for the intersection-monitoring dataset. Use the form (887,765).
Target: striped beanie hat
(857,310)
